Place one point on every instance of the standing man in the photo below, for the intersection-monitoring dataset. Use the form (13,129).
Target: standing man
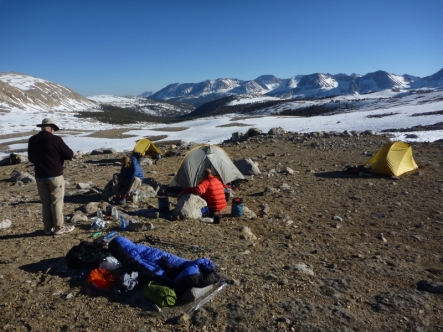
(48,152)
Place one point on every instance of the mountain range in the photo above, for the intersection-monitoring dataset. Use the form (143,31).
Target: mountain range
(311,86)
(21,91)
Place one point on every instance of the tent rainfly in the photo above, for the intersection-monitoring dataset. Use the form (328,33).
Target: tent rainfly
(393,158)
(146,147)
(191,169)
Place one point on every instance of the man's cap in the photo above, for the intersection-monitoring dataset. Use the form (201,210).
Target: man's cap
(48,122)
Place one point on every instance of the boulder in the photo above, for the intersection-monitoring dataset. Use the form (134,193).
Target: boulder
(237,136)
(254,132)
(146,161)
(247,166)
(97,151)
(189,206)
(24,177)
(109,151)
(90,208)
(276,131)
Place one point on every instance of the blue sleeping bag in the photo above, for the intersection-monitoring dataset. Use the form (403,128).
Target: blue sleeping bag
(154,264)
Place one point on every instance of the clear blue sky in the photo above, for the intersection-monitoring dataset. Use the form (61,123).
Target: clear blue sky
(127,47)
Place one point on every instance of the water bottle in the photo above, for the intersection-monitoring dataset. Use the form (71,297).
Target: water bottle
(99,213)
(108,237)
(114,213)
(122,222)
(135,196)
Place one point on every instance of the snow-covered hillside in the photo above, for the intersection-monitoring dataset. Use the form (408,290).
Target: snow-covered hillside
(24,92)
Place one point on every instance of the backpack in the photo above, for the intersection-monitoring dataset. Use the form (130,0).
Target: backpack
(14,159)
(86,255)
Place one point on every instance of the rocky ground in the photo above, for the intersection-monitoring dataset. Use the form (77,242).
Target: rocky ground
(365,243)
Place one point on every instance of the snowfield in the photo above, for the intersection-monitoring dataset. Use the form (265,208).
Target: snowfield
(385,112)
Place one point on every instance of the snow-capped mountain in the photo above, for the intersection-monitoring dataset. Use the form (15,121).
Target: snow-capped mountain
(317,85)
(23,92)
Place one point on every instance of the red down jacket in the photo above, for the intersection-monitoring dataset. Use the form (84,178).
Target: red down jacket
(212,191)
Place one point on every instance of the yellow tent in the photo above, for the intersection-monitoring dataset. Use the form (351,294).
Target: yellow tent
(146,147)
(393,159)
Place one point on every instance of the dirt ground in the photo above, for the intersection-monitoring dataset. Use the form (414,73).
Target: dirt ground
(369,240)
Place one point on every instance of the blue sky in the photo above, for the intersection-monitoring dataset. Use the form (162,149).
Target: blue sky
(128,47)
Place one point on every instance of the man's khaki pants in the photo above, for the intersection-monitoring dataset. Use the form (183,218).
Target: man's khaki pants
(51,195)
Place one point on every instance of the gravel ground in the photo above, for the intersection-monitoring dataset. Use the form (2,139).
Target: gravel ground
(364,242)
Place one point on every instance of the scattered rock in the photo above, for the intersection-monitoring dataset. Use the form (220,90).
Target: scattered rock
(247,234)
(300,268)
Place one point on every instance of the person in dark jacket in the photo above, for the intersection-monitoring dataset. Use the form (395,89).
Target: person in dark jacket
(211,189)
(48,152)
(127,181)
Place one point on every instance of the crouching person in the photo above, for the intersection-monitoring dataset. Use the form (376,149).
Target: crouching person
(129,179)
(211,189)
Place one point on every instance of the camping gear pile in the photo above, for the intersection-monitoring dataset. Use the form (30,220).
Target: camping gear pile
(124,266)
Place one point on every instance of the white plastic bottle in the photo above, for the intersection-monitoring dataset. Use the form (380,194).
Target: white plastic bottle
(135,196)
(114,213)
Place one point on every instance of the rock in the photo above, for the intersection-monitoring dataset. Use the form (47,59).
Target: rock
(337,218)
(269,191)
(109,151)
(431,287)
(5,224)
(381,237)
(249,214)
(90,208)
(189,206)
(146,161)
(252,132)
(300,268)
(284,320)
(184,319)
(24,177)
(79,217)
(97,152)
(289,171)
(276,131)
(146,191)
(237,136)
(265,209)
(247,234)
(80,153)
(247,166)
(154,184)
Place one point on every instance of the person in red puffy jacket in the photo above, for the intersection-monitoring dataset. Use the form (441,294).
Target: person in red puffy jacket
(211,189)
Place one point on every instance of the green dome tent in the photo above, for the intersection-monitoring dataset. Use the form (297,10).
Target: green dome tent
(191,168)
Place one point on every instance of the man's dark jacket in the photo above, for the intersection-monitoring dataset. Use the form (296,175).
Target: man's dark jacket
(48,152)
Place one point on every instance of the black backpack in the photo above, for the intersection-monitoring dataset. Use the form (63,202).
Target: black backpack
(14,159)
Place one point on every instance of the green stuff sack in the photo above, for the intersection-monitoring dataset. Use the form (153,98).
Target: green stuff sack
(160,294)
